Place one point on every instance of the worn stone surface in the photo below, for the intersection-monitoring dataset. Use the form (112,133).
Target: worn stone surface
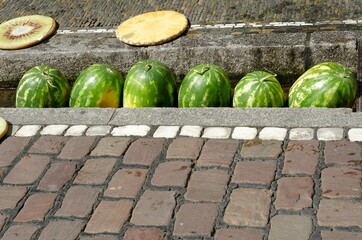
(143,151)
(11,195)
(10,149)
(207,185)
(341,182)
(185,148)
(111,146)
(218,153)
(60,229)
(77,147)
(95,171)
(195,219)
(143,233)
(336,235)
(301,157)
(109,216)
(294,193)
(57,175)
(154,208)
(254,172)
(261,148)
(342,153)
(23,231)
(248,207)
(286,227)
(238,234)
(48,144)
(173,173)
(126,182)
(339,213)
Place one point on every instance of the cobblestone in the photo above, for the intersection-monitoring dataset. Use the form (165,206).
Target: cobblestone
(246,133)
(273,133)
(248,207)
(28,131)
(131,130)
(77,130)
(98,130)
(54,130)
(301,134)
(128,187)
(191,131)
(217,132)
(166,132)
(109,216)
(330,134)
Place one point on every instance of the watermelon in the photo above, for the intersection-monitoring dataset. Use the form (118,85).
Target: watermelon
(42,87)
(99,85)
(149,83)
(258,89)
(327,84)
(206,85)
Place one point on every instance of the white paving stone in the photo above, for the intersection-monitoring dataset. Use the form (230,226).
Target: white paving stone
(76,130)
(54,130)
(273,133)
(217,132)
(166,131)
(330,134)
(98,130)
(355,134)
(131,130)
(301,134)
(246,133)
(28,131)
(191,131)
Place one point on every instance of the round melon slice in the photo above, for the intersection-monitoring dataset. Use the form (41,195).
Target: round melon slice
(152,28)
(25,31)
(3,127)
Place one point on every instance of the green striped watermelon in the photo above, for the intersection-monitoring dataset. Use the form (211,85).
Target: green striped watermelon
(41,87)
(327,84)
(205,85)
(258,89)
(99,85)
(149,83)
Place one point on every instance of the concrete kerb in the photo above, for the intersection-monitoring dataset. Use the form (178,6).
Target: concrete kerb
(286,54)
(228,117)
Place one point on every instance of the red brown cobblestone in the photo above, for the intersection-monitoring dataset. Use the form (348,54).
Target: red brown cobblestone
(301,157)
(154,208)
(48,144)
(77,147)
(78,201)
(341,182)
(143,234)
(36,207)
(195,219)
(173,173)
(261,148)
(248,207)
(57,175)
(218,153)
(339,213)
(254,172)
(207,185)
(143,151)
(126,182)
(10,149)
(109,216)
(111,146)
(95,171)
(102,237)
(238,234)
(185,148)
(28,169)
(61,230)
(338,235)
(287,227)
(20,232)
(342,153)
(294,193)
(11,195)
(2,220)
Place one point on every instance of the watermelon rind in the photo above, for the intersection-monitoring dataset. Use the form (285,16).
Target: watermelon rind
(258,89)
(99,85)
(149,83)
(42,87)
(205,85)
(328,84)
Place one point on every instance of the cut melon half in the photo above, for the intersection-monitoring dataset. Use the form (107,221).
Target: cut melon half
(25,31)
(3,127)
(152,28)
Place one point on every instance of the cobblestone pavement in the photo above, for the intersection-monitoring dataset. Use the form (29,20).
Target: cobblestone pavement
(180,182)
(100,13)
